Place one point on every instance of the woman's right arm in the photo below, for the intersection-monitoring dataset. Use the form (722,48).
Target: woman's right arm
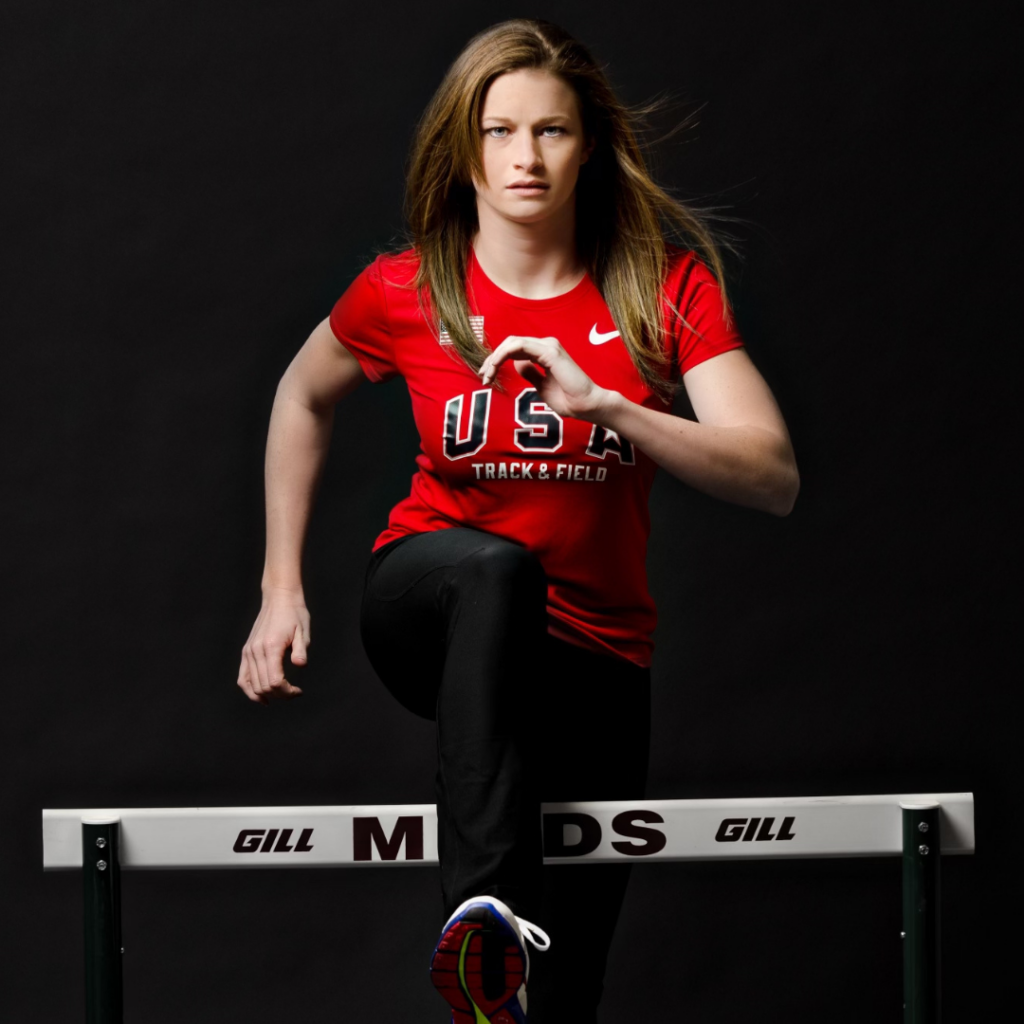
(322,373)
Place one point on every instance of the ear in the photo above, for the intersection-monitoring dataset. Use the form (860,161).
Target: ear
(587,150)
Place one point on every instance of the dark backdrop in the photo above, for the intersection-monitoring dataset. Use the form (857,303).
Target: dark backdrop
(189,187)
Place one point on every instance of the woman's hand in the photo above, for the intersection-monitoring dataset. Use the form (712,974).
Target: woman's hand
(283,622)
(559,381)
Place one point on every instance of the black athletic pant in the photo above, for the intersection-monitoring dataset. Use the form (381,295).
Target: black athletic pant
(454,623)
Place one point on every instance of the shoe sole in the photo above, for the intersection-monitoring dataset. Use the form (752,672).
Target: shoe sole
(478,967)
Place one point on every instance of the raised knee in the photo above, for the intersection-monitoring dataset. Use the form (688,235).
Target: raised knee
(505,566)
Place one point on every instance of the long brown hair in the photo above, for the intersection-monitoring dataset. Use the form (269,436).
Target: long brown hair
(621,214)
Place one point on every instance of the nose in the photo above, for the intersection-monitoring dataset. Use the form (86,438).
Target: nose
(527,155)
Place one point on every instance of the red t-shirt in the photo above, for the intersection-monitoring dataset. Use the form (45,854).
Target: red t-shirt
(573,493)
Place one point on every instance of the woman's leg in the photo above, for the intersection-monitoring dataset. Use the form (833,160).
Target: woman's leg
(454,623)
(592,738)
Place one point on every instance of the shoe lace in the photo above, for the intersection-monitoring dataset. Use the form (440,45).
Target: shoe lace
(534,934)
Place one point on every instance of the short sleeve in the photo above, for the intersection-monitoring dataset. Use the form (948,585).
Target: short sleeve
(702,332)
(359,321)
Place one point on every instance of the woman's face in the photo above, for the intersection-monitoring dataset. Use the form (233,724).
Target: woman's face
(532,146)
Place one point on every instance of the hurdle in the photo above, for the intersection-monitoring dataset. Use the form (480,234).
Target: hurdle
(919,827)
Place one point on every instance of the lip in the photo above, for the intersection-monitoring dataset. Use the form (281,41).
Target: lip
(529,186)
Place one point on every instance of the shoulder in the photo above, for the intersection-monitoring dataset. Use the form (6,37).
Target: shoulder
(686,273)
(380,283)
(699,321)
(397,269)
(374,306)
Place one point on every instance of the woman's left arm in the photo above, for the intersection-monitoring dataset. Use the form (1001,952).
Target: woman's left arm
(738,450)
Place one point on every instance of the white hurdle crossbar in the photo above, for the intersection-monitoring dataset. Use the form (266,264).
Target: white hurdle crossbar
(919,827)
(248,837)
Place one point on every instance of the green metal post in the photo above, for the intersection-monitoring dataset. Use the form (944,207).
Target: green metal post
(101,873)
(921,860)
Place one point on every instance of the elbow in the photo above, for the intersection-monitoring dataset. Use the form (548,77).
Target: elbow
(775,483)
(292,390)
(787,487)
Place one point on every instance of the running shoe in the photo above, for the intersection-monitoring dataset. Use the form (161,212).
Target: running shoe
(481,963)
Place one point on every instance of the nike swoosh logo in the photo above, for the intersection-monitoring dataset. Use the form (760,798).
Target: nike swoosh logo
(600,339)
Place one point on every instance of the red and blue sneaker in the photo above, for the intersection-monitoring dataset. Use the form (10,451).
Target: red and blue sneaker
(481,964)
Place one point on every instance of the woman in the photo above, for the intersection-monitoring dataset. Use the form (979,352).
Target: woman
(541,323)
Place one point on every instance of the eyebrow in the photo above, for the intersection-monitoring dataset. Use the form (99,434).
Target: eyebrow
(541,120)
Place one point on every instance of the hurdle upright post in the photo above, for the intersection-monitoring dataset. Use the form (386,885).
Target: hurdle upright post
(921,965)
(101,874)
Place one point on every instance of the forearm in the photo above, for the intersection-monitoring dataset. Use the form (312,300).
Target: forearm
(297,445)
(745,465)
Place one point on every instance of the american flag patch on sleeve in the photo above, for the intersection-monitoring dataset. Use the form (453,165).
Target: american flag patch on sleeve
(475,322)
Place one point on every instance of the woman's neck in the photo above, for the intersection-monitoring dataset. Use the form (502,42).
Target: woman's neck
(532,261)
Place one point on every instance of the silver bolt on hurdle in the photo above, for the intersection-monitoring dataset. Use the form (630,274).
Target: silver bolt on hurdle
(101,875)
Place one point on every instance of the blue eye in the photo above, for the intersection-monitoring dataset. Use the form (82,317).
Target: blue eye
(553,128)
(497,128)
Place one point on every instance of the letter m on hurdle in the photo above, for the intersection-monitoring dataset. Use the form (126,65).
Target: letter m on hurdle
(368,832)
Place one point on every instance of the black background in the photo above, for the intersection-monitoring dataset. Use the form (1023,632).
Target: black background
(188,188)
